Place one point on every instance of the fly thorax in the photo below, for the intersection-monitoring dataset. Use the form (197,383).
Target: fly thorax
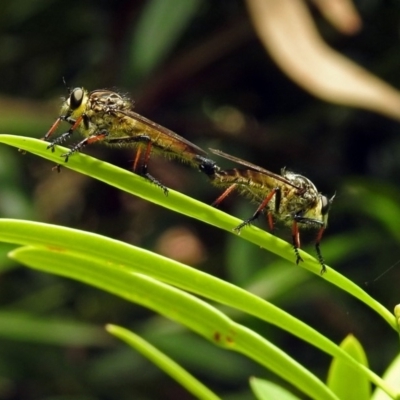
(310,195)
(105,101)
(101,120)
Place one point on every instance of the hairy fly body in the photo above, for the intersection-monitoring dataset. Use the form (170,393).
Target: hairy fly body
(290,198)
(106,116)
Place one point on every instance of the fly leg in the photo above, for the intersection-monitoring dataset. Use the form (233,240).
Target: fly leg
(317,248)
(296,241)
(97,137)
(298,218)
(140,163)
(53,128)
(261,207)
(224,195)
(143,171)
(211,169)
(62,138)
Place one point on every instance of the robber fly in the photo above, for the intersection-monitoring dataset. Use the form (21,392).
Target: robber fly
(106,116)
(290,198)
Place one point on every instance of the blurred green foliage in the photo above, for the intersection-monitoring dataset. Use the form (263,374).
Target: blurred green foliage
(205,76)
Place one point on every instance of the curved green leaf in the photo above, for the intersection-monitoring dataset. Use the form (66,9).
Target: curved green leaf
(176,305)
(121,256)
(165,363)
(28,328)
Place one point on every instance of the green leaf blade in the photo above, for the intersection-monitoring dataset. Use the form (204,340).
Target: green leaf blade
(121,256)
(163,362)
(176,305)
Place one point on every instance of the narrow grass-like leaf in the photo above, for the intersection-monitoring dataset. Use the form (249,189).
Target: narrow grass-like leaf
(178,306)
(120,255)
(155,34)
(165,363)
(28,328)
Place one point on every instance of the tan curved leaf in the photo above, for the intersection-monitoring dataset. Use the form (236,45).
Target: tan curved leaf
(288,32)
(341,14)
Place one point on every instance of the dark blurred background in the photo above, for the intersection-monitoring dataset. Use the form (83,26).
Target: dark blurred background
(203,73)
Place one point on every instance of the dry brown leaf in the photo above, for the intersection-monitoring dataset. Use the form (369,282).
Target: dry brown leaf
(341,14)
(288,32)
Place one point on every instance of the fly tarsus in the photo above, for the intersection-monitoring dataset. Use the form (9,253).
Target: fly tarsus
(317,248)
(297,254)
(260,209)
(298,218)
(320,258)
(89,140)
(145,139)
(62,138)
(244,223)
(151,178)
(296,240)
(144,173)
(73,150)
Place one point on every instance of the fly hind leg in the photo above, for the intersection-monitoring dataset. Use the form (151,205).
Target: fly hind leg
(261,207)
(296,241)
(143,167)
(140,163)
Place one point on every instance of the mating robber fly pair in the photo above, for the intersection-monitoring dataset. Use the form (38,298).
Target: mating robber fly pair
(106,116)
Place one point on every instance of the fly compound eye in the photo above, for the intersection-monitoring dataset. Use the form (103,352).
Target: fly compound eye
(325,205)
(75,99)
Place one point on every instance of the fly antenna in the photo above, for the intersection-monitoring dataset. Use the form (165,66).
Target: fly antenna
(66,86)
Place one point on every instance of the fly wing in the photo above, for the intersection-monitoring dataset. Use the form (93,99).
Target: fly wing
(160,129)
(254,167)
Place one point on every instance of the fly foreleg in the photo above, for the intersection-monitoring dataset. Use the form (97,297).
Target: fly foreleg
(317,248)
(62,138)
(298,218)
